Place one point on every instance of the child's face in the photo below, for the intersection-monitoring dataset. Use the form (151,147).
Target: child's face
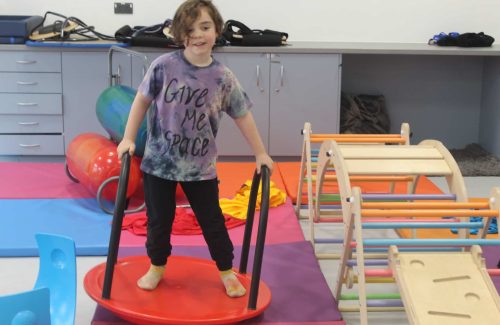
(201,37)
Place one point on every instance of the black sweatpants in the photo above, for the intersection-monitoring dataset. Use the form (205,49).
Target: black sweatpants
(203,196)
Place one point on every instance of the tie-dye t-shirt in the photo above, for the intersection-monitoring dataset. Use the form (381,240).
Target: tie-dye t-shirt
(184,116)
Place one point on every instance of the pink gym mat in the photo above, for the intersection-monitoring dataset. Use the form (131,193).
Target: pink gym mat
(22,180)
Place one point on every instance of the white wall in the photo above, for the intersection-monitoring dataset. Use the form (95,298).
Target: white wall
(412,21)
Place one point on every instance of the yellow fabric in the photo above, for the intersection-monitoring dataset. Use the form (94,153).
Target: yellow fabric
(237,206)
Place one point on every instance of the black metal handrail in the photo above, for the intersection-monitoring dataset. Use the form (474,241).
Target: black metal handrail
(116,226)
(261,232)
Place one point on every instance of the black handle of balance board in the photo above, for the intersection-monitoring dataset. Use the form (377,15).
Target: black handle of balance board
(116,226)
(261,232)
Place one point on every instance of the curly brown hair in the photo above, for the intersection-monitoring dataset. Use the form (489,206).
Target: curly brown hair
(188,12)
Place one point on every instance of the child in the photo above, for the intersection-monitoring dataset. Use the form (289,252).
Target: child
(189,90)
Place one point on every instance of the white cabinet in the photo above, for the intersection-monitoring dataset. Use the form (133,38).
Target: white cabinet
(303,88)
(139,66)
(85,77)
(252,71)
(31,120)
(287,90)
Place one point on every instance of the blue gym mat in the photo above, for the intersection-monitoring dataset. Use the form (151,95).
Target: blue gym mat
(80,219)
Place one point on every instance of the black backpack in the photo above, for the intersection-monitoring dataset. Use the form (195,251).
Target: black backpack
(154,35)
(462,40)
(237,33)
(474,40)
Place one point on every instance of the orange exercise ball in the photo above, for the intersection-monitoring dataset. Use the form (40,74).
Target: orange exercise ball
(92,159)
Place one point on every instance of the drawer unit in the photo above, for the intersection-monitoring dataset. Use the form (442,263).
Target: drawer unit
(50,104)
(22,61)
(27,82)
(31,124)
(31,144)
(31,115)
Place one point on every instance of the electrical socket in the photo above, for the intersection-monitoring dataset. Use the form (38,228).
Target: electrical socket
(124,8)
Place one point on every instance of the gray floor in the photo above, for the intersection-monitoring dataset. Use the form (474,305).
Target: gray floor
(19,274)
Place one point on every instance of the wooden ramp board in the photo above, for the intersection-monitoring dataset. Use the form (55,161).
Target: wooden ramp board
(446,288)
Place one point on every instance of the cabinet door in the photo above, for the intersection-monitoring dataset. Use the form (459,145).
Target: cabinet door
(303,88)
(139,67)
(252,71)
(85,77)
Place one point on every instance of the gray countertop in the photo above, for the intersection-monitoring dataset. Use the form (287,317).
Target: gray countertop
(307,47)
(369,48)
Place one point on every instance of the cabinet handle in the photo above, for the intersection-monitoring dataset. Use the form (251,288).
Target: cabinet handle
(258,79)
(282,72)
(25,61)
(28,123)
(115,78)
(119,74)
(29,145)
(27,104)
(27,83)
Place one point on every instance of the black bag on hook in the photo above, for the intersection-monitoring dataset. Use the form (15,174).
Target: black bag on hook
(158,35)
(155,35)
(237,33)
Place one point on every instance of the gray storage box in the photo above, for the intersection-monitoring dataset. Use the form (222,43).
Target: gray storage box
(16,29)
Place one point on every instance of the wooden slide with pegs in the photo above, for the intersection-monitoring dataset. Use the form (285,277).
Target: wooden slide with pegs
(451,288)
(361,212)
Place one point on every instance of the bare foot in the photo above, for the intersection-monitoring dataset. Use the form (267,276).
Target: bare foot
(233,286)
(150,280)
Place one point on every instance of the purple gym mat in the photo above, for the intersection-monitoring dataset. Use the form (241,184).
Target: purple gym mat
(300,293)
(491,255)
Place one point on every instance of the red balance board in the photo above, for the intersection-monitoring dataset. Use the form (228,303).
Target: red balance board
(191,292)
